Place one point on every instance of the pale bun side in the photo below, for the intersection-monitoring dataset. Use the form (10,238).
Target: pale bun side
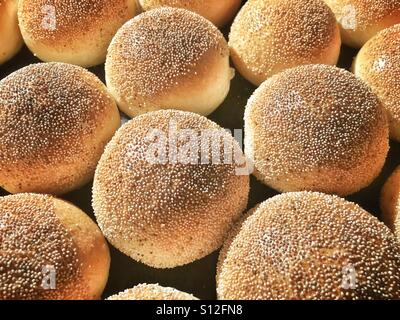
(11,39)
(390,202)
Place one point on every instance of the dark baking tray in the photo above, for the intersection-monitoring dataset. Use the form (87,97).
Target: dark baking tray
(198,278)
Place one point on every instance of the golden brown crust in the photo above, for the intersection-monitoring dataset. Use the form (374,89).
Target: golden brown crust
(378,64)
(55,120)
(164,56)
(305,245)
(217,11)
(390,202)
(152,292)
(35,234)
(171,213)
(316,128)
(58,31)
(270,36)
(360,20)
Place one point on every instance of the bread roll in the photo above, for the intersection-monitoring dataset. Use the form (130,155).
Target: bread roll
(269,36)
(308,245)
(50,250)
(55,120)
(168,58)
(316,128)
(168,206)
(77,31)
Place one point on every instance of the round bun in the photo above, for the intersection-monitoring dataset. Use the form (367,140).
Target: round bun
(77,32)
(316,128)
(152,292)
(378,64)
(308,245)
(168,58)
(167,206)
(360,20)
(55,120)
(390,202)
(50,249)
(269,36)
(217,11)
(10,40)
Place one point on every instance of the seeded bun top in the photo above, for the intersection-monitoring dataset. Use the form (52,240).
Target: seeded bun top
(45,107)
(72,19)
(195,184)
(308,245)
(217,11)
(152,292)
